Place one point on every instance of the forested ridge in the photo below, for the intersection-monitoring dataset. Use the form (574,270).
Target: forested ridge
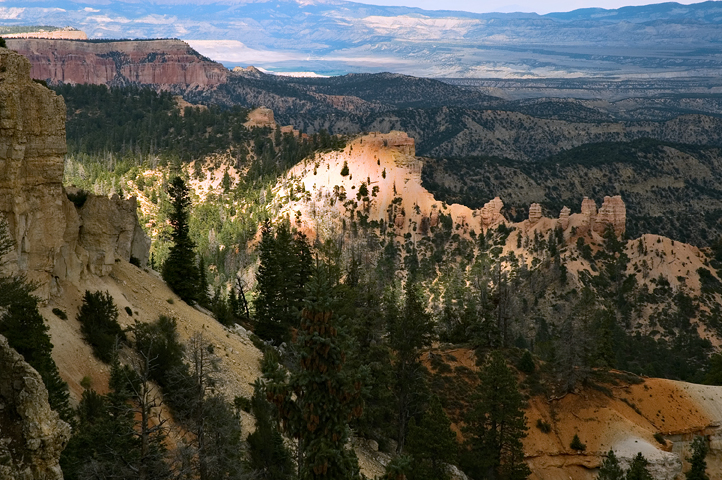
(356,332)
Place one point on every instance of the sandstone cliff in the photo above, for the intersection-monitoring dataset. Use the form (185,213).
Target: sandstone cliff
(54,240)
(154,62)
(32,436)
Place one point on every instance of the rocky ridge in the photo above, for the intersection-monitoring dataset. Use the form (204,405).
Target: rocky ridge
(385,166)
(163,63)
(31,433)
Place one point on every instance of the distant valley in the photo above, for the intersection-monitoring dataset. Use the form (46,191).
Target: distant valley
(332,38)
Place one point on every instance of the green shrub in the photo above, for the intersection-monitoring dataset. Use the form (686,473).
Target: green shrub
(159,341)
(129,311)
(660,438)
(86,382)
(78,198)
(60,314)
(526,364)
(577,444)
(99,325)
(242,403)
(543,426)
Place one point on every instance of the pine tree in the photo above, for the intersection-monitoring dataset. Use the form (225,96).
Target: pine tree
(496,425)
(98,318)
(203,298)
(179,270)
(317,402)
(638,469)
(268,457)
(282,274)
(610,468)
(26,332)
(410,331)
(698,465)
(432,444)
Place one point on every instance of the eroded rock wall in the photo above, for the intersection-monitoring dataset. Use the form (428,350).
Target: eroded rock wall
(152,62)
(32,436)
(54,241)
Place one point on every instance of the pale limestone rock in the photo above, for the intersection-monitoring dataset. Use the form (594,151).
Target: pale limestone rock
(32,436)
(110,229)
(399,220)
(612,212)
(535,213)
(53,242)
(564,217)
(491,213)
(32,147)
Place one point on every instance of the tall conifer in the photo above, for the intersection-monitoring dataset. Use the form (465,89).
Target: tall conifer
(179,270)
(610,468)
(698,470)
(411,330)
(496,425)
(317,402)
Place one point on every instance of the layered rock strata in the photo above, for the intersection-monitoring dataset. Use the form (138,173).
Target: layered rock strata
(32,436)
(54,240)
(151,62)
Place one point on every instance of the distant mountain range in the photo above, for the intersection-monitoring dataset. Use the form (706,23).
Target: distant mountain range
(335,37)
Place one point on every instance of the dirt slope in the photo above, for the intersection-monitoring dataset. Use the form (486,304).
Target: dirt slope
(147,296)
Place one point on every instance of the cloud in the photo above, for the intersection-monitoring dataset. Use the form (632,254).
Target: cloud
(88,9)
(233,51)
(10,13)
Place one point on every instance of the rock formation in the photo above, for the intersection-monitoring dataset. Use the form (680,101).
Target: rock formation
(67,33)
(53,240)
(110,228)
(151,62)
(535,213)
(261,117)
(491,212)
(589,207)
(564,217)
(32,436)
(613,212)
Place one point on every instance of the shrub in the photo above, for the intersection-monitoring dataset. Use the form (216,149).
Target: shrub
(134,261)
(344,170)
(577,444)
(86,382)
(129,311)
(159,341)
(99,325)
(60,314)
(660,438)
(242,403)
(78,198)
(543,426)
(526,364)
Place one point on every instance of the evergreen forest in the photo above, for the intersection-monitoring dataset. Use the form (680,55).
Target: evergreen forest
(431,351)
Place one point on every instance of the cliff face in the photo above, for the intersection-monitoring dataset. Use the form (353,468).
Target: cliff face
(32,436)
(54,240)
(153,62)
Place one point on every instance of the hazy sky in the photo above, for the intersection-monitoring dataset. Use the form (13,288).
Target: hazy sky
(481,6)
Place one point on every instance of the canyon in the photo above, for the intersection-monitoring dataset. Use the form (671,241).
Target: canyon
(72,246)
